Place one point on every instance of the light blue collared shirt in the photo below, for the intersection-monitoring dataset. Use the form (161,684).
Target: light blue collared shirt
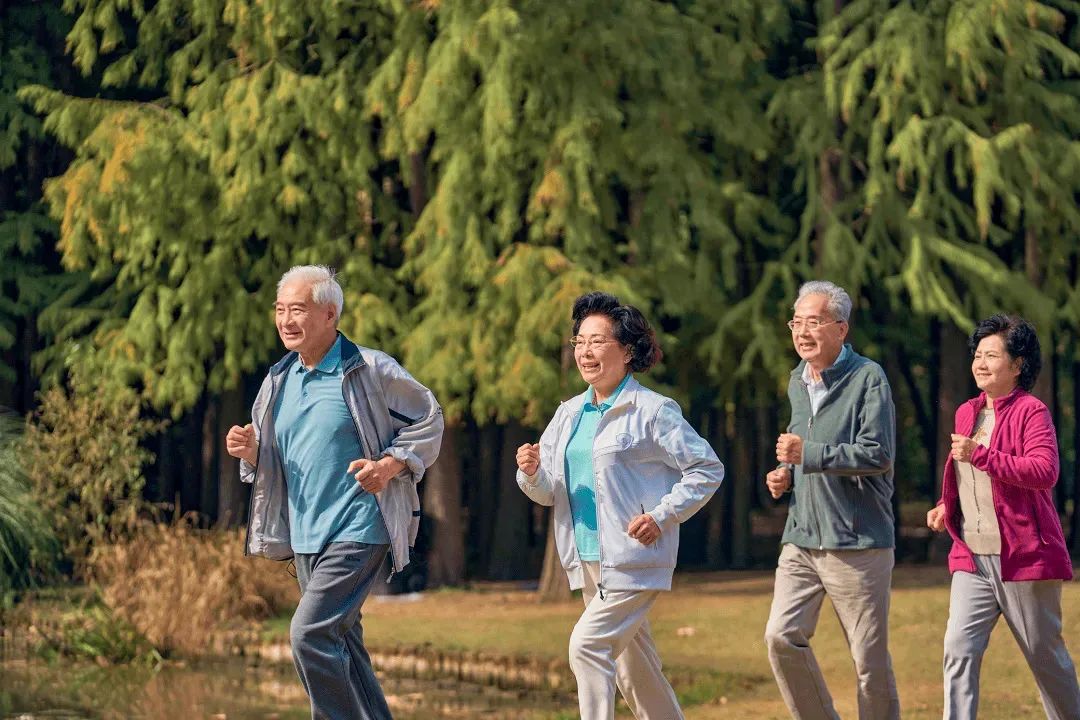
(580,479)
(318,440)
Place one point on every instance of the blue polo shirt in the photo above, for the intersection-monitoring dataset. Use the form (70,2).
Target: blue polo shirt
(318,440)
(580,479)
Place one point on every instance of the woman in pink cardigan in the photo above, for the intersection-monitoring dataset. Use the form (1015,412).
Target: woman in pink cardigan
(1008,555)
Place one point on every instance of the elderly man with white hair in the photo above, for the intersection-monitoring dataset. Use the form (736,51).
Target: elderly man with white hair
(340,435)
(836,459)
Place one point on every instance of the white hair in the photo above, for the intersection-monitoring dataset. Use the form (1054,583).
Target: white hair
(324,288)
(839,301)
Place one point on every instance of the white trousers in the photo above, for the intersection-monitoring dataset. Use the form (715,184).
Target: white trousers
(611,646)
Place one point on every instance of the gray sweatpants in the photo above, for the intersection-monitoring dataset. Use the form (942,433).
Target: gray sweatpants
(1033,611)
(611,645)
(326,634)
(858,583)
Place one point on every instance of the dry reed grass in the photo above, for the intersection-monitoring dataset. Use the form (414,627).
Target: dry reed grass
(181,586)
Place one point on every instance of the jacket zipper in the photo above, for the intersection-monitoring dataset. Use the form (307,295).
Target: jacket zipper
(596,487)
(809,495)
(367,450)
(596,492)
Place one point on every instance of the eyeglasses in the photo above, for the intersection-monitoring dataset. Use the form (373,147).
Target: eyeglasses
(810,324)
(596,342)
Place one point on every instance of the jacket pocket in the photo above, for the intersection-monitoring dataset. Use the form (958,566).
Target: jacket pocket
(619,503)
(1038,522)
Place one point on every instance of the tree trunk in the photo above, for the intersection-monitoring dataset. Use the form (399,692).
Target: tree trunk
(232,496)
(189,453)
(510,538)
(714,531)
(830,190)
(554,587)
(953,388)
(442,509)
(900,364)
(418,195)
(482,496)
(741,477)
(211,444)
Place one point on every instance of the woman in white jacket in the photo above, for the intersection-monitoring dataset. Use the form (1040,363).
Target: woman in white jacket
(623,469)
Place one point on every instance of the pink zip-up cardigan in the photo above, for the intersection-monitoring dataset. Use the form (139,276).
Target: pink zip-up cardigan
(1022,462)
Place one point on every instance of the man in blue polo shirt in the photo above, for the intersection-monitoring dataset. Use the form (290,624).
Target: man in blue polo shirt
(340,435)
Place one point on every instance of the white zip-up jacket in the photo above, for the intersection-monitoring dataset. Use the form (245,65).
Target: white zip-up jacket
(645,455)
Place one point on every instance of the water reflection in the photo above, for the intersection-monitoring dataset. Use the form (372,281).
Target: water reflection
(232,691)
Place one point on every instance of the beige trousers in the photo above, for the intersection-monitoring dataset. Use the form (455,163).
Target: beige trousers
(611,646)
(858,584)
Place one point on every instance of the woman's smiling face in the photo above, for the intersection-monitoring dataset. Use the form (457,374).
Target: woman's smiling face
(601,359)
(995,371)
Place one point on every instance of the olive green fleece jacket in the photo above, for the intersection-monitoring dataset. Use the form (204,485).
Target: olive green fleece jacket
(842,492)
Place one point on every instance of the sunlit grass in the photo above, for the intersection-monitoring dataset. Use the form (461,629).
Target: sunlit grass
(717,661)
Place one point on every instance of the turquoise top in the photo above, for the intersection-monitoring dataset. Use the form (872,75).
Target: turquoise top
(318,440)
(580,480)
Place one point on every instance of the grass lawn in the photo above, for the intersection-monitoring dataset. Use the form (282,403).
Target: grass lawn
(721,669)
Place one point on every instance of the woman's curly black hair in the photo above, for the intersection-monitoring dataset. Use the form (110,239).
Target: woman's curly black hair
(1020,342)
(630,327)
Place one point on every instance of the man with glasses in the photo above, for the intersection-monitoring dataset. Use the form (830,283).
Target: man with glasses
(836,459)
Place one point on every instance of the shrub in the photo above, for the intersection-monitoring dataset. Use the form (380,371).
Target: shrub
(95,633)
(83,456)
(28,547)
(181,586)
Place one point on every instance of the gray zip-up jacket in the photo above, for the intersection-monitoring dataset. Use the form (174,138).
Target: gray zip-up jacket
(393,415)
(645,457)
(842,493)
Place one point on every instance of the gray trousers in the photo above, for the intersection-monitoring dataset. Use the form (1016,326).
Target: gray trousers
(1033,611)
(858,584)
(611,645)
(326,634)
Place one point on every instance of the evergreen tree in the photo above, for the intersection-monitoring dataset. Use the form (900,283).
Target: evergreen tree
(31,50)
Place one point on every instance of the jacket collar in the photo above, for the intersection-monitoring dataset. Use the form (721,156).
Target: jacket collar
(844,363)
(350,357)
(627,396)
(977,403)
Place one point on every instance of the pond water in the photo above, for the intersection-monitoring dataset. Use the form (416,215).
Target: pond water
(235,690)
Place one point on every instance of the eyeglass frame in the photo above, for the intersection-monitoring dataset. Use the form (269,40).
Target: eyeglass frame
(590,342)
(800,324)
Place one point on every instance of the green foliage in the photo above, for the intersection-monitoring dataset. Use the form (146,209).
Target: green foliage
(97,634)
(83,456)
(472,167)
(186,210)
(31,39)
(28,548)
(574,147)
(936,147)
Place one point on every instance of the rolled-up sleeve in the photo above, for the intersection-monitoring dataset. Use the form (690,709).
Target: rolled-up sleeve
(417,442)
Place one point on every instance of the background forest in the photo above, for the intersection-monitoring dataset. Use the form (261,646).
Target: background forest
(470,168)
